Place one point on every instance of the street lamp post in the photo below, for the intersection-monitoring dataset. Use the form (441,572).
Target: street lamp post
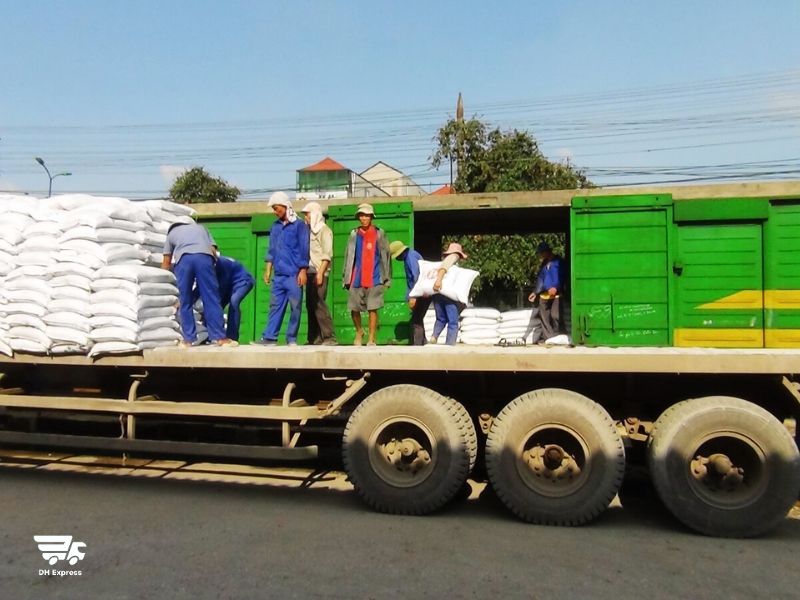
(51,177)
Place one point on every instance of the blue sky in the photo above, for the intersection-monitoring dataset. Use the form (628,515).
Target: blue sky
(123,94)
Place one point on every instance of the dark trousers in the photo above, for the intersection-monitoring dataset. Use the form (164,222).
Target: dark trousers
(418,321)
(320,323)
(547,319)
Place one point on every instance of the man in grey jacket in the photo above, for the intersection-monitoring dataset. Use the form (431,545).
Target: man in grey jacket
(367,272)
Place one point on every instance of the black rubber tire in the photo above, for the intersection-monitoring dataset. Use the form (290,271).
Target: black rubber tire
(680,432)
(455,441)
(605,456)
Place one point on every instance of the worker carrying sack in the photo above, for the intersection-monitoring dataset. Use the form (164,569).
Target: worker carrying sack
(455,285)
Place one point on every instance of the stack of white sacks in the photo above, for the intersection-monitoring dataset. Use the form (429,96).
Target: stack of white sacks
(516,326)
(80,274)
(479,326)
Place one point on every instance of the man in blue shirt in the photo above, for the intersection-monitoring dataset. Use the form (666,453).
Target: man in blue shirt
(286,268)
(190,252)
(235,282)
(419,306)
(547,294)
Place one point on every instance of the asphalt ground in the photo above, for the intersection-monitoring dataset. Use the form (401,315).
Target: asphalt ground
(167,529)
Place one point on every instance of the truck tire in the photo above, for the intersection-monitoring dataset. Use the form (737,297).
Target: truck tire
(408,450)
(724,466)
(555,457)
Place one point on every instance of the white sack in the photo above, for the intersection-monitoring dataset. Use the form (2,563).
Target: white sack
(67,335)
(25,320)
(65,318)
(113,334)
(113,348)
(455,285)
(488,313)
(137,274)
(29,333)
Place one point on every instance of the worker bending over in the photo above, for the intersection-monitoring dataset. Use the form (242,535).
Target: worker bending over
(190,252)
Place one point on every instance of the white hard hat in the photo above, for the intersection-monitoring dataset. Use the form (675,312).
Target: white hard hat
(279,198)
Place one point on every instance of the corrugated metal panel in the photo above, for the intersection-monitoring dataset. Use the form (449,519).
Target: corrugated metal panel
(722,209)
(782,277)
(620,275)
(719,289)
(397,220)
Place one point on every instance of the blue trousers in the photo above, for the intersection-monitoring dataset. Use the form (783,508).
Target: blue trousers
(446,314)
(285,291)
(238,293)
(199,268)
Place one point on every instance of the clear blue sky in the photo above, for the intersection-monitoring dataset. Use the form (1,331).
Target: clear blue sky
(123,93)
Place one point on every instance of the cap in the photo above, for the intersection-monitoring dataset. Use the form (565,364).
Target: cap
(365,209)
(455,248)
(396,248)
(278,198)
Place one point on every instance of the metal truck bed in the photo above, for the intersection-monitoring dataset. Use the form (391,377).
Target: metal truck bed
(446,358)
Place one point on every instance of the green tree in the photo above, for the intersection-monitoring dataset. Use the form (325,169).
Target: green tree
(198,186)
(500,161)
(491,160)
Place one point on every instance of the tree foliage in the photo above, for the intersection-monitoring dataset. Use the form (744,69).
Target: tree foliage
(491,160)
(198,186)
(500,161)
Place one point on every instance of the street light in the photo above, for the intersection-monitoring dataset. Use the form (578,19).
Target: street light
(50,187)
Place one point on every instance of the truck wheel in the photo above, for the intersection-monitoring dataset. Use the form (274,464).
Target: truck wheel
(554,457)
(724,466)
(408,450)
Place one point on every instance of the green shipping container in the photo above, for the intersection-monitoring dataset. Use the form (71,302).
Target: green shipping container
(620,277)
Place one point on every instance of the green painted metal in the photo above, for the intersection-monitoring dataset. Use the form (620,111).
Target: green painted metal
(261,222)
(397,220)
(620,282)
(782,260)
(722,209)
(714,262)
(617,202)
(235,240)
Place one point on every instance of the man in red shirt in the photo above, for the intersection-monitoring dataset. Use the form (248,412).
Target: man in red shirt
(367,272)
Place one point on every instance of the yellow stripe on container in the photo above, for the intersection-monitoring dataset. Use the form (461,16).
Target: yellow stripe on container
(718,338)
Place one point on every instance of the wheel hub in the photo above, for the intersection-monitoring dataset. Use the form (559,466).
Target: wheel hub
(717,471)
(406,454)
(553,460)
(402,451)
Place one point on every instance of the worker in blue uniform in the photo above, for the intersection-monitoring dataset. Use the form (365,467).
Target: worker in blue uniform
(546,296)
(190,251)
(235,282)
(286,267)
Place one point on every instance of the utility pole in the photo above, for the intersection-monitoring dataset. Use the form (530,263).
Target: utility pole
(459,125)
(51,177)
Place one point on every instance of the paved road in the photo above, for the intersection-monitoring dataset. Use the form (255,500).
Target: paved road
(187,533)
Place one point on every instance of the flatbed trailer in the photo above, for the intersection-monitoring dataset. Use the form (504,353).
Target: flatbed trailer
(559,426)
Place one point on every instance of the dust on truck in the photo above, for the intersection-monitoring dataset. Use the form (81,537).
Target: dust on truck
(684,308)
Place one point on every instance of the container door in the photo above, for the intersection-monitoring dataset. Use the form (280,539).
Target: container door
(620,277)
(782,264)
(719,285)
(234,239)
